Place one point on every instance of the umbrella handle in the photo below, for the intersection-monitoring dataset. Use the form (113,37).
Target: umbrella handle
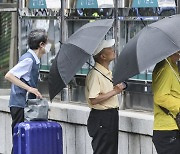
(143,22)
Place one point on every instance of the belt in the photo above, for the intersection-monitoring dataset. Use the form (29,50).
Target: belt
(106,109)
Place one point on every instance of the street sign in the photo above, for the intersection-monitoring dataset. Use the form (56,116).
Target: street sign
(144,3)
(94,4)
(43,4)
(37,4)
(86,4)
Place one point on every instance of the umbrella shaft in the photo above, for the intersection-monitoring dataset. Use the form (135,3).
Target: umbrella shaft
(99,72)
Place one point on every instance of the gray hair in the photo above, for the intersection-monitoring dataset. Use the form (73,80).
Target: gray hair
(35,37)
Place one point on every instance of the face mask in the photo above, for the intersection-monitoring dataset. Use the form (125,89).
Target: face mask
(47,47)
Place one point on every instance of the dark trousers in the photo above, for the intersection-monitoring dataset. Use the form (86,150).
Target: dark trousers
(167,142)
(17,115)
(103,128)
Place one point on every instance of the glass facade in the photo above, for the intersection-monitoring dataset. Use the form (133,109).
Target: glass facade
(61,23)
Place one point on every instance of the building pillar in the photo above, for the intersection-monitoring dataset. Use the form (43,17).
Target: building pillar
(178,6)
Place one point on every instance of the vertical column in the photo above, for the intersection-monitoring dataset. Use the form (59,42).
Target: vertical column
(63,22)
(63,39)
(116,24)
(18,30)
(178,6)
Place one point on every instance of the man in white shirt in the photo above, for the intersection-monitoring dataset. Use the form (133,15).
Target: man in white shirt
(24,75)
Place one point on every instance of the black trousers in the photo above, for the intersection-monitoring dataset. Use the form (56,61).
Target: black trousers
(17,115)
(103,128)
(167,142)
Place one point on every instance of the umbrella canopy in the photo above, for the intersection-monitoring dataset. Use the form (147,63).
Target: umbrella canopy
(75,52)
(152,44)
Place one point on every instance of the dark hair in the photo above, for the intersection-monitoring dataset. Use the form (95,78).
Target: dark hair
(35,37)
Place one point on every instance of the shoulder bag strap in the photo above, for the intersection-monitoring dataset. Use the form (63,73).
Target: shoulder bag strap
(167,111)
(173,70)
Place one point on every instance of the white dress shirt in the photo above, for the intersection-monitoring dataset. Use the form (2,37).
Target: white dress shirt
(23,68)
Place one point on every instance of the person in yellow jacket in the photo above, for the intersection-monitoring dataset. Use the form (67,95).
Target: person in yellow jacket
(166,89)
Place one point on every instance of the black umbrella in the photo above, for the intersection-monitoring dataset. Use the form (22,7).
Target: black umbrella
(75,52)
(152,44)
